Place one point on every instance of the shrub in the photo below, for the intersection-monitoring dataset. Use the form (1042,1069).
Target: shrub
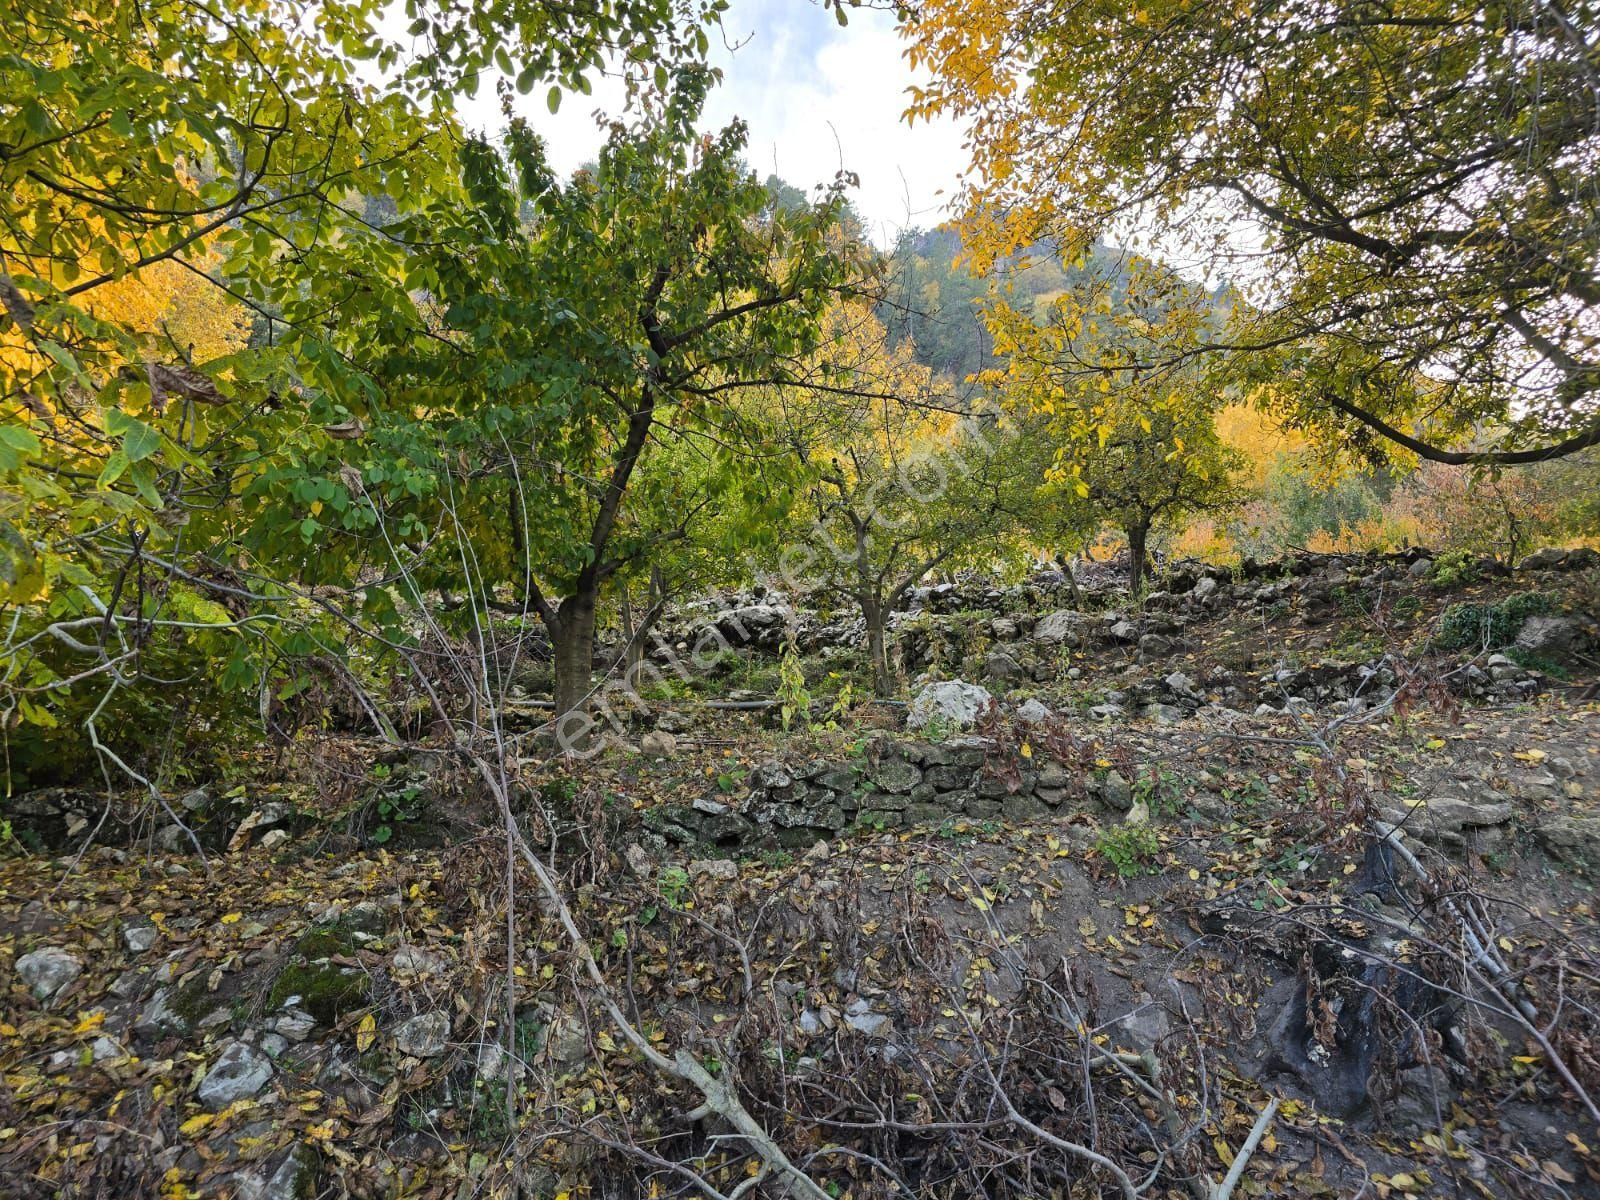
(1487,626)
(1131,849)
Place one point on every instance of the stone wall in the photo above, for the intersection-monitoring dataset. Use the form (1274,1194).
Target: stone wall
(892,784)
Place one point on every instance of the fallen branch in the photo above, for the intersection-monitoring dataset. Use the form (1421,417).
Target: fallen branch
(1242,1159)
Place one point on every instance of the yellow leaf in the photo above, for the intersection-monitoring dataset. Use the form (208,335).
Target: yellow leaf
(366,1033)
(1223,1151)
(232,918)
(195,1124)
(1027,750)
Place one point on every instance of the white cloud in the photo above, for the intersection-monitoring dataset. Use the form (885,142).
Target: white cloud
(817,97)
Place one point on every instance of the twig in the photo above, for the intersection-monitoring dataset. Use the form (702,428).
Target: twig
(1240,1160)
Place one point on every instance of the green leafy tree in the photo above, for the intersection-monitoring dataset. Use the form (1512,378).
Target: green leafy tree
(527,377)
(242,149)
(1406,195)
(898,485)
(1138,448)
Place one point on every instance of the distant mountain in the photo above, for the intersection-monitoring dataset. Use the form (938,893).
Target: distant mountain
(935,302)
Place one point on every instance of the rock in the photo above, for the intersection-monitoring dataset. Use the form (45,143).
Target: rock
(414,961)
(1034,712)
(1059,628)
(159,1019)
(1420,569)
(425,1035)
(1180,684)
(1002,668)
(1054,775)
(896,776)
(1162,714)
(951,703)
(1123,631)
(818,853)
(294,1178)
(1155,645)
(771,776)
(1424,1097)
(1547,559)
(1116,793)
(859,1016)
(1502,668)
(1204,589)
(239,1073)
(1571,840)
(1107,712)
(638,860)
(1004,629)
(273,838)
(658,744)
(105,1049)
(1447,819)
(295,1024)
(1138,814)
(565,1042)
(1554,638)
(724,870)
(48,972)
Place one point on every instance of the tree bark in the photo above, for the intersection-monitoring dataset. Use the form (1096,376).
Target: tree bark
(572,640)
(877,649)
(1138,536)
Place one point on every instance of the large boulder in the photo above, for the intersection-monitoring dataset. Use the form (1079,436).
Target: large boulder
(951,703)
(1553,638)
(1002,668)
(1060,628)
(1572,840)
(1547,559)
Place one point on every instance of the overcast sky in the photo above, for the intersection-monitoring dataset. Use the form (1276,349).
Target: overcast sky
(816,95)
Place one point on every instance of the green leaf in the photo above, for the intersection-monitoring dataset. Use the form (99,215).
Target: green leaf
(140,442)
(553,100)
(116,464)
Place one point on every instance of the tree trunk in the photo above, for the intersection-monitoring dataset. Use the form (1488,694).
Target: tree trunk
(572,641)
(1138,535)
(877,650)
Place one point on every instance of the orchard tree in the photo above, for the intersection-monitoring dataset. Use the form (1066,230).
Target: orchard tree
(551,354)
(899,482)
(164,169)
(1138,449)
(1406,195)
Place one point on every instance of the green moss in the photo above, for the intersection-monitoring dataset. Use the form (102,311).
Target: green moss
(193,1000)
(324,941)
(326,992)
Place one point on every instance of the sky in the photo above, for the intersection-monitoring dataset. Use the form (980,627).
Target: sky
(817,96)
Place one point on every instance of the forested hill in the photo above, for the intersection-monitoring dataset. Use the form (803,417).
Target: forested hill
(936,301)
